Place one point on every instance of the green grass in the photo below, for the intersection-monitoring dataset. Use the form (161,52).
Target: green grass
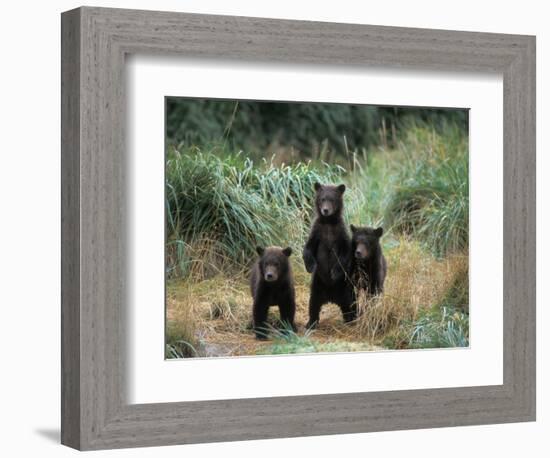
(231,204)
(220,205)
(440,327)
(419,189)
(288,342)
(431,196)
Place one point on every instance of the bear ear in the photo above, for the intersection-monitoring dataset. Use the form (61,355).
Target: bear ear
(287,251)
(342,188)
(352,227)
(378,232)
(317,186)
(260,250)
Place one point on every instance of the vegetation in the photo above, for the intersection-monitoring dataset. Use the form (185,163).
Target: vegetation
(222,202)
(328,130)
(225,204)
(431,200)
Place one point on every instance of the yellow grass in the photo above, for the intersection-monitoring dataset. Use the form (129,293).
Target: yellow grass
(414,281)
(213,315)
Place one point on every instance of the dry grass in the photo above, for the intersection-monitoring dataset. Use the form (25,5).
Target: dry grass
(414,282)
(212,315)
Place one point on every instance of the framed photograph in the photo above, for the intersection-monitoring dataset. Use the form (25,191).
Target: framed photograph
(277,228)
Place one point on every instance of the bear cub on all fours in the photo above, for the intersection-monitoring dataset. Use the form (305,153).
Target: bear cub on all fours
(327,255)
(369,265)
(271,283)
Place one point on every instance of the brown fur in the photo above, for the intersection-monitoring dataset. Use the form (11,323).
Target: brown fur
(369,265)
(327,255)
(271,283)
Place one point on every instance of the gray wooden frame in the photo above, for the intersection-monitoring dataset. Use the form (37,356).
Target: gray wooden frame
(95,414)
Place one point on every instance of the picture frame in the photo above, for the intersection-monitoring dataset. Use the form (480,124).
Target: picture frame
(95,411)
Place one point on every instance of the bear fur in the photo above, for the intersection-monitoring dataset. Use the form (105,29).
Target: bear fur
(271,283)
(327,255)
(369,265)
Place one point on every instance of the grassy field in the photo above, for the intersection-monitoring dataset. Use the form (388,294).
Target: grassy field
(220,205)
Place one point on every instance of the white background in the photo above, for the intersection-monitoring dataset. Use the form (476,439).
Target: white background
(150,79)
(29,237)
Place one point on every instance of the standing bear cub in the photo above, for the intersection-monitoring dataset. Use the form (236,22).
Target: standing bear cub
(271,283)
(369,264)
(327,255)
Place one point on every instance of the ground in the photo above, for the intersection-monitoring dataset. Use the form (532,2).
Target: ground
(212,316)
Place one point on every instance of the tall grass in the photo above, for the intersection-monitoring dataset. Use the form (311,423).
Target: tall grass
(221,206)
(416,281)
(431,194)
(423,298)
(419,189)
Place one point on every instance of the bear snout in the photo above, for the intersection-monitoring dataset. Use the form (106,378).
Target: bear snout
(326,209)
(270,274)
(361,251)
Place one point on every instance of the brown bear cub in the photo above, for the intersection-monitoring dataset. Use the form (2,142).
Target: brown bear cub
(327,255)
(271,283)
(369,264)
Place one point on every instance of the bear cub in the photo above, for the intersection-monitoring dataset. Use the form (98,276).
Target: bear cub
(369,264)
(327,255)
(271,283)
